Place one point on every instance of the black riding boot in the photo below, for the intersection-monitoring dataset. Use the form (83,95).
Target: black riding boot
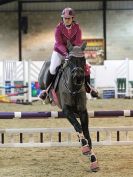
(49,80)
(87,84)
(88,87)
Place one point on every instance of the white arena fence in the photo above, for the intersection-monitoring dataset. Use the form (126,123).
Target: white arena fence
(59,137)
(112,70)
(20,71)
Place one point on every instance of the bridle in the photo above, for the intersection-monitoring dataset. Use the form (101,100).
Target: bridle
(74,70)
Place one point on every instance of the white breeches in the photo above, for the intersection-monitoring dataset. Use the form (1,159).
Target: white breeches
(56,60)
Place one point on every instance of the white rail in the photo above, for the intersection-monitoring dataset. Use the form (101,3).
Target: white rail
(49,137)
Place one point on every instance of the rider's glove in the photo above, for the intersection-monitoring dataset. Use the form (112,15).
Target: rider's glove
(66,56)
(94,93)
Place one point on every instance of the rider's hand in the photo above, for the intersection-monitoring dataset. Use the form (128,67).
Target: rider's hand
(66,56)
(94,93)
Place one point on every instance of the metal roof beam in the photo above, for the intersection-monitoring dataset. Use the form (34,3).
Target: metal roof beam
(5,1)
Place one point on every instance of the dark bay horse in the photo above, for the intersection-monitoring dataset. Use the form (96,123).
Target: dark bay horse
(70,95)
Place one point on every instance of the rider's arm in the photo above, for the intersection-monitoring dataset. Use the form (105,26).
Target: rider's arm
(59,46)
(78,37)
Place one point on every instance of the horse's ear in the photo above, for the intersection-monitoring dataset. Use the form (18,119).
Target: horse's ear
(69,46)
(83,46)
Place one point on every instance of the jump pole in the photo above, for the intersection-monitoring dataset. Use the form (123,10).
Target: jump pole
(56,114)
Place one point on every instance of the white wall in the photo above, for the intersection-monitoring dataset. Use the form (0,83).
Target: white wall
(105,75)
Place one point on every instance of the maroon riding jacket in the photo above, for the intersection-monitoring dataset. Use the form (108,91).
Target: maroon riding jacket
(63,34)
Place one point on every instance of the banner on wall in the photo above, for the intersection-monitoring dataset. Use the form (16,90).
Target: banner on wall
(94,51)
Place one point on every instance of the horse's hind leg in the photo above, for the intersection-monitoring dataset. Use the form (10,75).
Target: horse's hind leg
(88,148)
(82,135)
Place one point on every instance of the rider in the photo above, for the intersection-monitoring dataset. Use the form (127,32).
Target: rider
(66,30)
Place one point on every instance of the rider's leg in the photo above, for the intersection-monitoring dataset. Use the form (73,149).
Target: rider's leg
(89,88)
(49,80)
(55,62)
(87,77)
(87,83)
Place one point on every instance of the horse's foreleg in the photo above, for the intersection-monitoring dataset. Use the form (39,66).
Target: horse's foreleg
(72,119)
(84,124)
(88,149)
(86,141)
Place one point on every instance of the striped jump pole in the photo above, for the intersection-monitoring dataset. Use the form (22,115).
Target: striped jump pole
(31,115)
(56,114)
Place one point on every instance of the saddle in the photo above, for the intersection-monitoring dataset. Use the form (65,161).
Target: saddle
(52,88)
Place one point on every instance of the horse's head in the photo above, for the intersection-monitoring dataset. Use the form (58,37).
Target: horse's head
(76,63)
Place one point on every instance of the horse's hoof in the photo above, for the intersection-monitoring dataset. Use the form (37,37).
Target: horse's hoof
(86,150)
(94,166)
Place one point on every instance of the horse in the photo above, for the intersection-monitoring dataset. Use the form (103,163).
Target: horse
(68,92)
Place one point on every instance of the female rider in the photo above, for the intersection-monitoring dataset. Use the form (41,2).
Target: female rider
(66,30)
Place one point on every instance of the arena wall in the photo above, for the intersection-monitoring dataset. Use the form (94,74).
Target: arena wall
(38,42)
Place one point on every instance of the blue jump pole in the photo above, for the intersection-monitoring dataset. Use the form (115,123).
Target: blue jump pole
(56,114)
